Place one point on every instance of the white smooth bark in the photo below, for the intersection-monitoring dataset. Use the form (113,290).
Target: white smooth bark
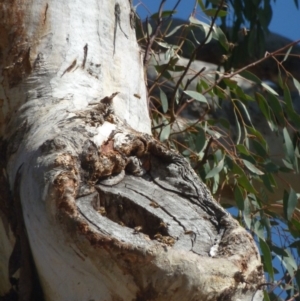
(57,60)
(44,68)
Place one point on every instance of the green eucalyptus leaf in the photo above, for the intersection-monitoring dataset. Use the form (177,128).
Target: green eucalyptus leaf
(239,132)
(279,251)
(260,149)
(294,227)
(285,203)
(215,2)
(287,98)
(242,149)
(252,168)
(164,14)
(241,94)
(221,37)
(268,227)
(244,181)
(204,84)
(205,27)
(247,213)
(200,2)
(297,84)
(162,68)
(242,178)
(166,45)
(280,81)
(285,261)
(149,29)
(258,135)
(214,134)
(263,105)
(287,54)
(216,169)
(265,15)
(252,39)
(174,30)
(215,183)
(289,147)
(258,229)
(177,68)
(219,92)
(218,155)
(291,203)
(295,244)
(269,89)
(212,12)
(239,198)
(195,95)
(271,167)
(250,76)
(246,112)
(290,260)
(196,38)
(165,133)
(164,100)
(230,83)
(288,165)
(224,123)
(193,20)
(201,140)
(265,109)
(267,258)
(268,182)
(276,108)
(297,277)
(289,105)
(266,296)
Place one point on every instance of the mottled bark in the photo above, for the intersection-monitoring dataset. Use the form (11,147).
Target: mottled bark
(108,212)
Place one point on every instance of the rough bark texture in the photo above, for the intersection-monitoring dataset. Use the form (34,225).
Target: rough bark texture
(107,212)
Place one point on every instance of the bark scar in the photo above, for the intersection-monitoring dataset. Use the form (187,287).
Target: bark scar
(45,14)
(85,52)
(70,67)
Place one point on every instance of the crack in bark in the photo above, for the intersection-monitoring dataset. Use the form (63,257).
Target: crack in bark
(105,193)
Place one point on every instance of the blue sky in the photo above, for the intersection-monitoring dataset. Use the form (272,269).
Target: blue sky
(286,17)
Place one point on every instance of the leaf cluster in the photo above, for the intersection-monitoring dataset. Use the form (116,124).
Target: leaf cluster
(230,139)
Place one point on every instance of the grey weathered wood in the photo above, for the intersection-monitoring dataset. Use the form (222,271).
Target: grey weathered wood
(70,163)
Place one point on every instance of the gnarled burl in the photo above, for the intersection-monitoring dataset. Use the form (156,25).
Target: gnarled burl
(138,212)
(92,208)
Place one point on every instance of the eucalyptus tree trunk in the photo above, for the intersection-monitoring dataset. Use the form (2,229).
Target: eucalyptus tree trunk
(92,207)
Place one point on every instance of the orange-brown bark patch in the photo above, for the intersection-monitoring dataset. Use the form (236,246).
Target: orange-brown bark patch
(65,186)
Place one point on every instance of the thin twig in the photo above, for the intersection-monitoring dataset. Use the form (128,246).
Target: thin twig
(167,65)
(196,50)
(206,153)
(159,126)
(151,38)
(195,8)
(230,75)
(189,81)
